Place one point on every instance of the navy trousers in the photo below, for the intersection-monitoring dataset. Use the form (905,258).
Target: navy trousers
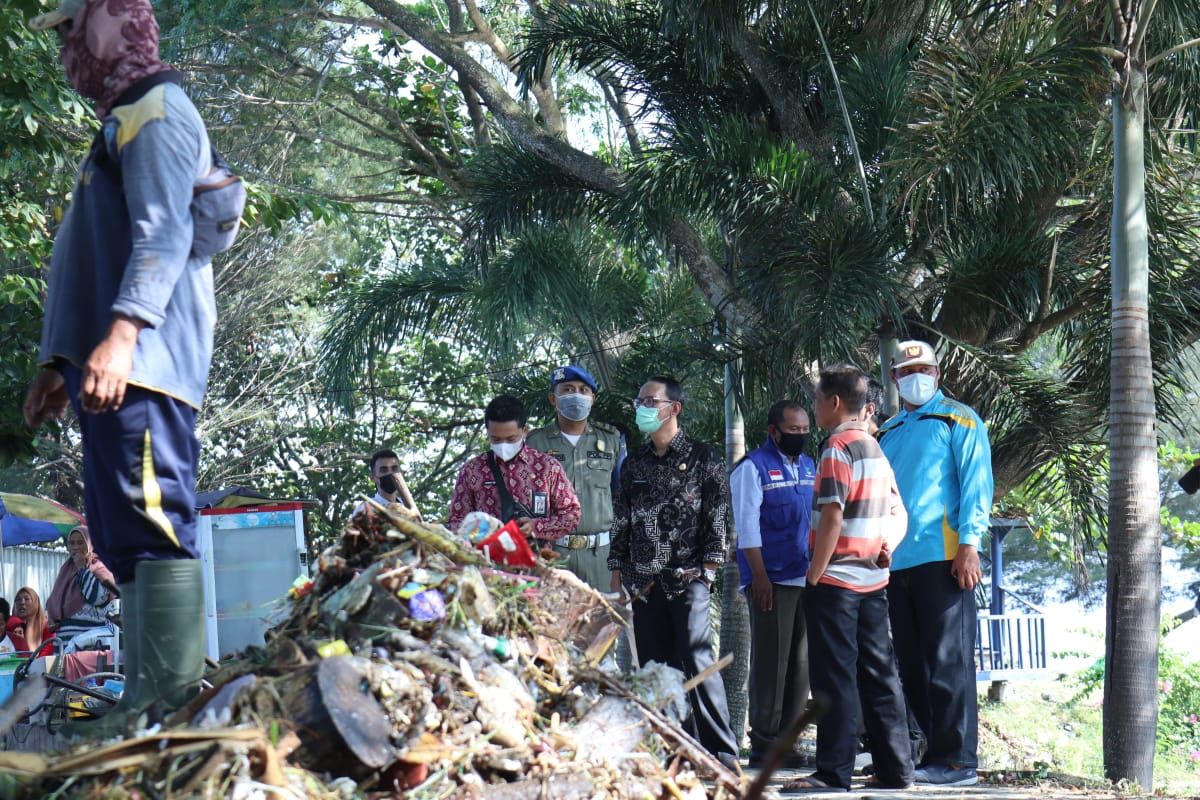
(933,624)
(850,661)
(139,473)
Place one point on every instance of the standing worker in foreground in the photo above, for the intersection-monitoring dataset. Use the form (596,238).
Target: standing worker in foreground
(591,453)
(772,504)
(127,340)
(940,453)
(670,523)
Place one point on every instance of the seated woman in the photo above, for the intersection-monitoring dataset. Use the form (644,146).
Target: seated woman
(28,628)
(80,600)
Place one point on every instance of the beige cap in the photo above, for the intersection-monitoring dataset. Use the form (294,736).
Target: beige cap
(914,352)
(67,9)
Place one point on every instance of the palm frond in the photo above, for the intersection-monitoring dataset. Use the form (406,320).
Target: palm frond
(1174,98)
(825,285)
(624,41)
(876,85)
(433,299)
(1038,430)
(511,189)
(1174,299)
(732,170)
(997,116)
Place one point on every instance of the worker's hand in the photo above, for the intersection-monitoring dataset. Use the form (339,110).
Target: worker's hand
(884,559)
(762,593)
(965,568)
(106,372)
(526,525)
(46,398)
(814,576)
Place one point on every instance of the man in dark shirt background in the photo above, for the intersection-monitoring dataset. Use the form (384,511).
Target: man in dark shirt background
(670,522)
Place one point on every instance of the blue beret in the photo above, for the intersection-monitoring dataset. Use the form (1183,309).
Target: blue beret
(572,372)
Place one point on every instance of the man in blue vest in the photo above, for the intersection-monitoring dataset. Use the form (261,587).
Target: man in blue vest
(772,502)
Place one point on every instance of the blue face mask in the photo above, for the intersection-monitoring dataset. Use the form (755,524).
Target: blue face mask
(648,420)
(575,407)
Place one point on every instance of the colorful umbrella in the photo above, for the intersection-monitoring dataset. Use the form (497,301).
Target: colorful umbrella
(25,519)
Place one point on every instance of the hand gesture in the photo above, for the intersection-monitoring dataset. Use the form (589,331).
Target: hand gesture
(46,398)
(965,568)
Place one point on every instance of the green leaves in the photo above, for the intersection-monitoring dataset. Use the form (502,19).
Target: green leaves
(995,114)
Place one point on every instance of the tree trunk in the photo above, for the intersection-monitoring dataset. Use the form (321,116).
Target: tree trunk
(735,615)
(1134,546)
(888,345)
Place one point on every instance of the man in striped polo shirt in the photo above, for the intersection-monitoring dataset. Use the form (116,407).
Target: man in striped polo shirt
(857,523)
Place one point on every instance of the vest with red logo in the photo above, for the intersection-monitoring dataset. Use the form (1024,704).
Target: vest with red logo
(784,515)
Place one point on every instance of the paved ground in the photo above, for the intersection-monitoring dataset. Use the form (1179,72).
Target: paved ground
(983,792)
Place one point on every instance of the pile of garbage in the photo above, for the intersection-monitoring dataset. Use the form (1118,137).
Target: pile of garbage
(413,665)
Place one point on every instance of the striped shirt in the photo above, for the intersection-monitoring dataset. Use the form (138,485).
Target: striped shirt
(855,474)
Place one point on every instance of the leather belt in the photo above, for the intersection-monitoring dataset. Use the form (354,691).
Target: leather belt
(583,541)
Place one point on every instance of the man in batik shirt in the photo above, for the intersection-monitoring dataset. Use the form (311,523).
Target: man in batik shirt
(539,495)
(670,522)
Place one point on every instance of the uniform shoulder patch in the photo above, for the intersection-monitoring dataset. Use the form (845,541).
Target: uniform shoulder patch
(135,116)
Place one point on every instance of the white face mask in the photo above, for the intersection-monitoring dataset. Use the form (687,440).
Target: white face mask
(917,388)
(507,451)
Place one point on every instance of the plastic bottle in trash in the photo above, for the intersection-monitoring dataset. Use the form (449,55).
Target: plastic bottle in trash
(497,646)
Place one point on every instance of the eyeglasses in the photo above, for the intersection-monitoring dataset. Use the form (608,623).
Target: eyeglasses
(652,402)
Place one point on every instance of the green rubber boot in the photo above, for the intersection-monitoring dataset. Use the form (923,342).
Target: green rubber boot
(117,718)
(171,625)
(164,654)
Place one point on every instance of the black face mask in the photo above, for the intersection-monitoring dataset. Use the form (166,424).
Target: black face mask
(793,444)
(388,484)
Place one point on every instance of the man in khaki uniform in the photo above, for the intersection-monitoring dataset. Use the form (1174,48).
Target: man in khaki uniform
(591,453)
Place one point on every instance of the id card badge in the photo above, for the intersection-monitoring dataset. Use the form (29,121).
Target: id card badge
(541,504)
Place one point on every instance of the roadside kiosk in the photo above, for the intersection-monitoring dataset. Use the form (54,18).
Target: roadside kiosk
(252,548)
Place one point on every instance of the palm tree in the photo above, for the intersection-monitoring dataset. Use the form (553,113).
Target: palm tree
(1135,547)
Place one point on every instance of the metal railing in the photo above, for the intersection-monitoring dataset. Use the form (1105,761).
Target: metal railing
(1010,647)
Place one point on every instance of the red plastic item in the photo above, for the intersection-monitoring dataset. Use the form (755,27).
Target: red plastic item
(508,546)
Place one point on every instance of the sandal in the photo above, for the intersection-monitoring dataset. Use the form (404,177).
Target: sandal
(808,784)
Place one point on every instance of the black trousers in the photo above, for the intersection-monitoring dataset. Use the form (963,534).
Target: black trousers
(677,632)
(851,660)
(778,686)
(933,623)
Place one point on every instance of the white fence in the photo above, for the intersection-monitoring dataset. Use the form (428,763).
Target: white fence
(25,565)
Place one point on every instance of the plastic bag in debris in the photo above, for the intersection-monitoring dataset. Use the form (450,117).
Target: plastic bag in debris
(508,546)
(477,526)
(614,727)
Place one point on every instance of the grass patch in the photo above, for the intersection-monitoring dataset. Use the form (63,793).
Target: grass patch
(1039,734)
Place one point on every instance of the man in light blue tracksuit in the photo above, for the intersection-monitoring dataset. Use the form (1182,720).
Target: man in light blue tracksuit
(940,453)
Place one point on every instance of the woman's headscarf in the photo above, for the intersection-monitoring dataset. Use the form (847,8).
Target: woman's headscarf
(66,598)
(111,45)
(35,620)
